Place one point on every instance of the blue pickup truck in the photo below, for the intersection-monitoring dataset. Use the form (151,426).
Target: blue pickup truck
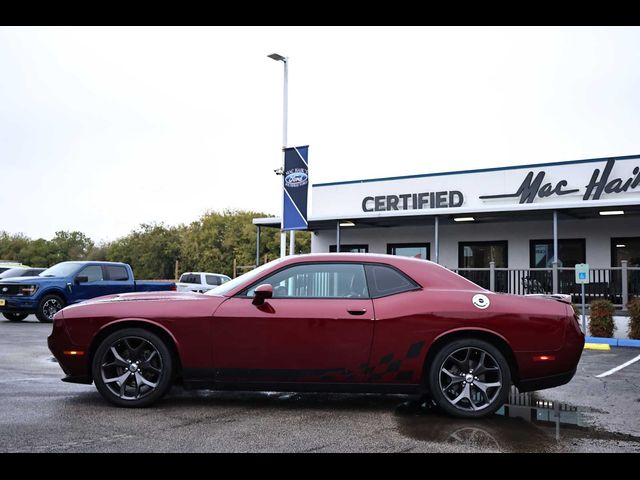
(67,283)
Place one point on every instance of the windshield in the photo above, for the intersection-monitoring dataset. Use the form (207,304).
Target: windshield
(12,272)
(244,278)
(63,269)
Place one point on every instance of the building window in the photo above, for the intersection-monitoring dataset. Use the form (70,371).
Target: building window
(480,254)
(571,251)
(627,248)
(415,250)
(350,248)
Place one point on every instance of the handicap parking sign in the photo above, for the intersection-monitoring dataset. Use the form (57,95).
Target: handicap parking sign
(582,273)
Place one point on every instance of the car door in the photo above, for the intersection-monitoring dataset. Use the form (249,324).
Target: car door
(88,283)
(318,327)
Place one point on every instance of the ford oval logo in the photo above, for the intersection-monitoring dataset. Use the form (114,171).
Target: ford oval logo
(296,179)
(5,289)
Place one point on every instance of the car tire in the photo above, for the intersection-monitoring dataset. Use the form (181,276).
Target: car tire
(49,305)
(133,367)
(15,317)
(469,378)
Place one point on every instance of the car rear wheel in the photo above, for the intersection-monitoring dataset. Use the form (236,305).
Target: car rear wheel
(132,367)
(469,378)
(15,317)
(48,307)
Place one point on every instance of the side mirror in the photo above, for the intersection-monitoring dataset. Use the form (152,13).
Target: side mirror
(79,280)
(261,293)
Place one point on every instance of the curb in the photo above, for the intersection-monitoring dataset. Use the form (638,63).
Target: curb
(597,346)
(614,342)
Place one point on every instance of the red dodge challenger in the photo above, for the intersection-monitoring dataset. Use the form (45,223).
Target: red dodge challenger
(324,322)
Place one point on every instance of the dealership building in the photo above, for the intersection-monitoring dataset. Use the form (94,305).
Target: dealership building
(500,227)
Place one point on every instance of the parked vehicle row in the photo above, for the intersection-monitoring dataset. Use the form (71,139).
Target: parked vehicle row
(68,283)
(7,264)
(21,272)
(324,322)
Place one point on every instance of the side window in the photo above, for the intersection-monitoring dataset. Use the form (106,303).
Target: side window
(190,278)
(116,273)
(318,280)
(385,280)
(92,272)
(213,280)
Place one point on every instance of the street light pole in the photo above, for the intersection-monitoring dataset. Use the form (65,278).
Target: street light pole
(285,108)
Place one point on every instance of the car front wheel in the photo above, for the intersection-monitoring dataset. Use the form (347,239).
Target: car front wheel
(132,367)
(469,378)
(48,307)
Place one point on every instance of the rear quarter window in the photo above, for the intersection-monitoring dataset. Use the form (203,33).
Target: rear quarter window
(384,280)
(116,273)
(190,278)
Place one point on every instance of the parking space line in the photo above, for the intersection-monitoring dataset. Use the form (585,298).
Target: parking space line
(619,367)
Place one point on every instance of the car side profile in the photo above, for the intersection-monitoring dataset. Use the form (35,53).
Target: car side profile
(200,282)
(324,322)
(67,283)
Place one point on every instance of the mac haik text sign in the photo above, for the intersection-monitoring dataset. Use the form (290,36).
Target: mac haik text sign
(582,183)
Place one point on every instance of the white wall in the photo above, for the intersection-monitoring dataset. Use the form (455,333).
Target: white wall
(597,233)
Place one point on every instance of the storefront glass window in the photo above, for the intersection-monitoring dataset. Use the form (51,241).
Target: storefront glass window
(415,250)
(350,248)
(480,254)
(625,249)
(571,251)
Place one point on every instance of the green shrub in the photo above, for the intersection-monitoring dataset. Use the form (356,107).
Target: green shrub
(601,318)
(634,318)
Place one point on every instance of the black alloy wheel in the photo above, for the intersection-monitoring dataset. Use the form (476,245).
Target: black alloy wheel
(469,378)
(133,367)
(48,307)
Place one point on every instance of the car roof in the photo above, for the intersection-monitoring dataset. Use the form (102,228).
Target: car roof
(423,272)
(353,257)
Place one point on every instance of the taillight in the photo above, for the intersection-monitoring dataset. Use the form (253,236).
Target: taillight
(173,287)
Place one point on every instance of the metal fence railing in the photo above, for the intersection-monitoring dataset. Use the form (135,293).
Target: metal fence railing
(617,284)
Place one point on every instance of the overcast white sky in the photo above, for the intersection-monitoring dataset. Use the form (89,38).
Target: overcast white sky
(102,129)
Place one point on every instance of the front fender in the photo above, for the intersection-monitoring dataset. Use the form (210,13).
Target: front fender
(40,294)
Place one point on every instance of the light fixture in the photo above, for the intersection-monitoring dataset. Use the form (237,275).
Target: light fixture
(464,219)
(621,246)
(612,212)
(277,57)
(347,224)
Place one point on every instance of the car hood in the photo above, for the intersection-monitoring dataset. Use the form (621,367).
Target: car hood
(28,280)
(131,297)
(150,305)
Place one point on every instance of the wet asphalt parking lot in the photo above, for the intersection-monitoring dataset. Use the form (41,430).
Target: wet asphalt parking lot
(42,414)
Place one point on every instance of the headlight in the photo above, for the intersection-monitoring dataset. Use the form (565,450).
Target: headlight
(27,290)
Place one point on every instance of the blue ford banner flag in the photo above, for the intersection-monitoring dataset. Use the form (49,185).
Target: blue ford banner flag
(296,187)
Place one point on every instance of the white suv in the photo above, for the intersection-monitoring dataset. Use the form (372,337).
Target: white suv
(200,281)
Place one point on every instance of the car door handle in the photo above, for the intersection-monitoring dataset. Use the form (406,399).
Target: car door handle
(357,311)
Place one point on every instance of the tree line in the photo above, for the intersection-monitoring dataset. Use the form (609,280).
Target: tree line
(209,244)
